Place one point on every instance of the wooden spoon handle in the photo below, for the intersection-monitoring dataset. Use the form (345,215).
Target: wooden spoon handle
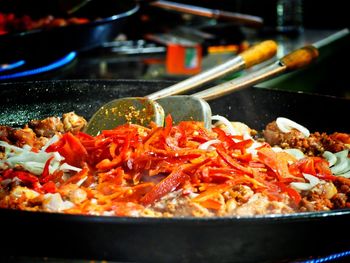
(243,19)
(259,53)
(300,57)
(252,56)
(295,60)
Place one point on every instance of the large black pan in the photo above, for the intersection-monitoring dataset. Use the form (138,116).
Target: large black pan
(254,239)
(107,20)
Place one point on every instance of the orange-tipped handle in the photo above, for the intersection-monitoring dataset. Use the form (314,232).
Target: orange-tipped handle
(300,58)
(259,53)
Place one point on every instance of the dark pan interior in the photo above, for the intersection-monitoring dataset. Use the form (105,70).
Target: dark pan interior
(259,239)
(21,102)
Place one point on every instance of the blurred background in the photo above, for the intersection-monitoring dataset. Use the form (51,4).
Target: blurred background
(124,39)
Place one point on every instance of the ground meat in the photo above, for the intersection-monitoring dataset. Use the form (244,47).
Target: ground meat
(342,198)
(314,145)
(261,205)
(315,202)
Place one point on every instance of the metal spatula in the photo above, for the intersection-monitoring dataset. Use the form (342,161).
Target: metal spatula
(293,61)
(143,110)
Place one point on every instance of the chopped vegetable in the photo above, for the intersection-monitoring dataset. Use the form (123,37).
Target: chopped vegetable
(176,170)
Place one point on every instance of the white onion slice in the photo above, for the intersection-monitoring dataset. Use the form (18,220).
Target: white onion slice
(34,162)
(54,203)
(346,175)
(286,125)
(52,140)
(296,153)
(342,164)
(81,181)
(301,186)
(206,145)
(226,122)
(66,167)
(330,157)
(313,181)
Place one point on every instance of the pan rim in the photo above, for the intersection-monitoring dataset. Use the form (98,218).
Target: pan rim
(89,24)
(258,219)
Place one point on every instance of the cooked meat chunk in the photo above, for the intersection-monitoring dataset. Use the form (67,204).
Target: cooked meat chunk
(24,136)
(47,127)
(73,122)
(313,145)
(37,132)
(5,133)
(50,126)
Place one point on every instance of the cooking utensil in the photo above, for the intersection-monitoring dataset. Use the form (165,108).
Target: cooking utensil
(238,18)
(71,7)
(275,238)
(143,110)
(291,62)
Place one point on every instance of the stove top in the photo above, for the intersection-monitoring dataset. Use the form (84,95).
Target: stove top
(146,60)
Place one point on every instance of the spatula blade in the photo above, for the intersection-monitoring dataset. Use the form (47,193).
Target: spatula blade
(136,110)
(186,108)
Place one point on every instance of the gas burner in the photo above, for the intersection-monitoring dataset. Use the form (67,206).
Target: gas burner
(337,257)
(22,69)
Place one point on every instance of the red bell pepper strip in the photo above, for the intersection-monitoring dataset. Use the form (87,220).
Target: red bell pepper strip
(49,187)
(168,184)
(296,197)
(233,163)
(71,149)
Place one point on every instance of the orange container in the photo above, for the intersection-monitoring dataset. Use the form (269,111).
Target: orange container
(183,59)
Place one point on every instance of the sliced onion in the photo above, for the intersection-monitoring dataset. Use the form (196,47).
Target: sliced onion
(52,140)
(81,181)
(346,175)
(277,149)
(226,122)
(34,162)
(330,157)
(253,148)
(54,203)
(296,153)
(206,145)
(342,164)
(67,167)
(7,147)
(313,181)
(301,186)
(286,125)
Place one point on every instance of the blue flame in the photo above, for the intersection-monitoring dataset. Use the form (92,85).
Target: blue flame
(13,65)
(54,65)
(328,258)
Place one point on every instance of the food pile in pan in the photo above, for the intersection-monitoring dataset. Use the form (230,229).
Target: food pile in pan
(173,171)
(10,23)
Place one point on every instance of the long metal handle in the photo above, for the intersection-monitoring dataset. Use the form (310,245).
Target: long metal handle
(241,82)
(248,20)
(295,60)
(250,57)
